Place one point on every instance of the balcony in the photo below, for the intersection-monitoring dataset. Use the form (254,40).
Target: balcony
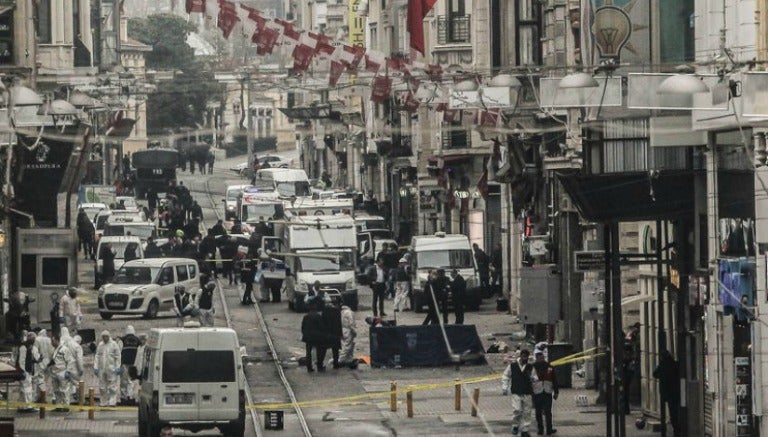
(454,43)
(453,29)
(456,137)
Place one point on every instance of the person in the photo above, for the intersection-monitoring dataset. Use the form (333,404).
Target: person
(26,361)
(108,263)
(70,313)
(379,288)
(458,294)
(17,318)
(483,268)
(331,314)
(130,252)
(205,304)
(138,363)
(348,335)
(106,366)
(152,200)
(77,350)
(401,302)
(46,348)
(62,367)
(311,335)
(237,227)
(327,181)
(84,233)
(430,294)
(668,374)
(545,389)
(390,266)
(631,362)
(247,277)
(167,431)
(128,346)
(195,211)
(189,304)
(211,159)
(440,288)
(126,165)
(152,250)
(497,269)
(518,381)
(218,228)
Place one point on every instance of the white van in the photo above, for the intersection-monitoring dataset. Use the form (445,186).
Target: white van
(118,246)
(192,378)
(447,252)
(287,182)
(230,200)
(146,286)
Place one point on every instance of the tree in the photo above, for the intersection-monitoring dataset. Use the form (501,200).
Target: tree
(181,101)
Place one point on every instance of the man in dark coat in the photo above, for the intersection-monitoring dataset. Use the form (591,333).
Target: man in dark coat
(668,374)
(108,263)
(332,325)
(312,335)
(247,276)
(459,294)
(483,268)
(85,232)
(431,294)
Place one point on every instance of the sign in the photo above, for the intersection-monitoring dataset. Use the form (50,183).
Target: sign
(743,390)
(356,26)
(589,261)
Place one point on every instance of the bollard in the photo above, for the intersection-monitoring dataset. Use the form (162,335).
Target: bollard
(43,400)
(475,400)
(81,393)
(457,395)
(393,396)
(91,403)
(409,401)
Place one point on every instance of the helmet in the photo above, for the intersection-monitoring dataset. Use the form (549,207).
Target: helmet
(179,233)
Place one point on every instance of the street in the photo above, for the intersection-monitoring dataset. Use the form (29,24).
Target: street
(355,404)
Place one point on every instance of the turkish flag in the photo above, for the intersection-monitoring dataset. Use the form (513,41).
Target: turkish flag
(227,17)
(266,39)
(357,56)
(374,60)
(337,69)
(417,10)
(410,104)
(195,6)
(381,89)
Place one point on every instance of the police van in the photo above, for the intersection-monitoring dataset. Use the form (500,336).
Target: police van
(192,378)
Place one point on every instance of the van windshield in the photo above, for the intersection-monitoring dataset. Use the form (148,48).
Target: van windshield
(444,259)
(137,275)
(198,366)
(293,188)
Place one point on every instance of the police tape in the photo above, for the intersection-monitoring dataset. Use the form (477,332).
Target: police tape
(355,400)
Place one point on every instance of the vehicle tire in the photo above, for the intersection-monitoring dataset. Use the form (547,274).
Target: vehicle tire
(284,166)
(106,316)
(152,309)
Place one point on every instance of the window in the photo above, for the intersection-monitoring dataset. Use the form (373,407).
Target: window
(192,271)
(166,276)
(28,271)
(55,271)
(181,273)
(198,366)
(445,259)
(43,21)
(528,32)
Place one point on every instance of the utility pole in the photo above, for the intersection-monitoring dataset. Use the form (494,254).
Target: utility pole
(249,122)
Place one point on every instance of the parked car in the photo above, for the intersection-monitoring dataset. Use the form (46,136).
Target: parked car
(274,161)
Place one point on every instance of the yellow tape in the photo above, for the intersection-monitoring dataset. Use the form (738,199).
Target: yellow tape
(355,400)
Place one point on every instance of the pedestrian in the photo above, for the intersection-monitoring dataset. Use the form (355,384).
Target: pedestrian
(518,381)
(348,335)
(106,366)
(401,302)
(152,201)
(46,348)
(631,364)
(247,277)
(107,256)
(205,304)
(130,252)
(211,159)
(331,314)
(545,389)
(483,269)
(152,250)
(668,374)
(218,228)
(496,269)
(440,288)
(458,295)
(430,295)
(390,264)
(189,304)
(128,344)
(62,373)
(85,232)
(26,361)
(138,363)
(70,313)
(167,431)
(311,335)
(379,287)
(195,211)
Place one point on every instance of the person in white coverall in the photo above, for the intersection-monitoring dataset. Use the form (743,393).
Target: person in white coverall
(77,350)
(69,310)
(27,362)
(45,347)
(348,335)
(106,366)
(63,370)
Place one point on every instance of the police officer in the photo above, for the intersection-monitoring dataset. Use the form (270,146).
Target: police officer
(205,304)
(246,277)
(27,359)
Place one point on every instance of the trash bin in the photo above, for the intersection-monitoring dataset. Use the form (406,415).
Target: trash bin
(562,372)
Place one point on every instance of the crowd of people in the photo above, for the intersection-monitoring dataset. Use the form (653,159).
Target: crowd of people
(328,325)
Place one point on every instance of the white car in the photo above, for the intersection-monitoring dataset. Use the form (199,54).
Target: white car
(274,161)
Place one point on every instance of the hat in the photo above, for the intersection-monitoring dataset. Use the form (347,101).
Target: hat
(403,260)
(105,332)
(179,233)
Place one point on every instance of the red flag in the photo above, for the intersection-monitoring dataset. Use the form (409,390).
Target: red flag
(302,57)
(417,10)
(482,184)
(323,47)
(195,6)
(410,104)
(488,118)
(435,72)
(227,17)
(357,55)
(374,60)
(381,89)
(450,115)
(265,39)
(337,69)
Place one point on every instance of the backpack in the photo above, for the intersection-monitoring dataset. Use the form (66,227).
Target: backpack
(370,274)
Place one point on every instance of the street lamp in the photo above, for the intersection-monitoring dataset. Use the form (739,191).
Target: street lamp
(578,80)
(682,84)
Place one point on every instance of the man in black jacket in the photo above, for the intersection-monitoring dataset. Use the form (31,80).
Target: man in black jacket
(458,293)
(332,323)
(545,389)
(247,277)
(312,335)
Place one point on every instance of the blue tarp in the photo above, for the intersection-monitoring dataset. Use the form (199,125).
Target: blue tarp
(412,346)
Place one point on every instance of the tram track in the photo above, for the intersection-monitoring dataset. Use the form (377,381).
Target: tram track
(216,207)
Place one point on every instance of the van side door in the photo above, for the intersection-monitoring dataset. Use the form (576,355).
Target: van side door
(166,283)
(219,378)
